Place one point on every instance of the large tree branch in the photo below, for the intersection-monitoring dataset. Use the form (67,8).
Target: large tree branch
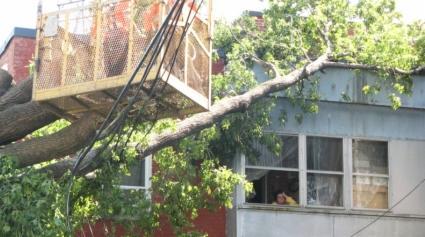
(5,81)
(200,121)
(92,161)
(416,71)
(19,94)
(65,142)
(231,105)
(21,120)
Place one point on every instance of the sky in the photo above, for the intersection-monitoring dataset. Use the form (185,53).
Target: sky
(22,13)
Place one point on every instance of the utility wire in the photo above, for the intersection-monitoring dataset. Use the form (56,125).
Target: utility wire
(390,209)
(140,113)
(168,37)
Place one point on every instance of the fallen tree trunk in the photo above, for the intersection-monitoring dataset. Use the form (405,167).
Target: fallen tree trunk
(92,161)
(21,120)
(19,94)
(5,81)
(65,142)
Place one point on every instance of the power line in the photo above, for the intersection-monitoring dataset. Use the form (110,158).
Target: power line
(173,61)
(390,209)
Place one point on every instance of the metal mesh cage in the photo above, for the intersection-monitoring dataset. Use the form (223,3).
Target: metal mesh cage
(97,47)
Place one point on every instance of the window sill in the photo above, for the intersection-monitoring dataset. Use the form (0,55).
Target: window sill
(323,210)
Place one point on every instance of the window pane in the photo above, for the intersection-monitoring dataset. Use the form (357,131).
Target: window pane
(370,192)
(370,157)
(324,153)
(137,175)
(324,190)
(288,157)
(271,182)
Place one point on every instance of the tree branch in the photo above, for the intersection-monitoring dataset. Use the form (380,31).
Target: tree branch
(325,35)
(416,71)
(19,94)
(203,120)
(230,105)
(92,161)
(5,81)
(21,120)
(65,142)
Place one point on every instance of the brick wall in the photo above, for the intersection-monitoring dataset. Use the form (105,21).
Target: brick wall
(17,56)
(212,223)
(6,58)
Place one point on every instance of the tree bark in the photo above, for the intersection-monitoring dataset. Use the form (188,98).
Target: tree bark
(58,145)
(56,170)
(21,120)
(5,81)
(19,94)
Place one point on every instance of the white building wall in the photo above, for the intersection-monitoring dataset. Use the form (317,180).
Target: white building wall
(407,169)
(264,221)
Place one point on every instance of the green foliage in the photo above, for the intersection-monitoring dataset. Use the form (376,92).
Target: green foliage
(51,128)
(28,201)
(187,181)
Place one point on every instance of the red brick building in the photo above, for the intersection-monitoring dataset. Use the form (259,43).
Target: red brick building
(17,51)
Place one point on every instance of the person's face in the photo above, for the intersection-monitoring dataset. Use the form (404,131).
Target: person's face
(280,199)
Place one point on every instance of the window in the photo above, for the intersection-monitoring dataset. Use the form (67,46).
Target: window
(324,171)
(370,174)
(273,174)
(313,171)
(140,175)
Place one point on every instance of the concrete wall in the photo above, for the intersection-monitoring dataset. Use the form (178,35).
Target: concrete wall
(255,222)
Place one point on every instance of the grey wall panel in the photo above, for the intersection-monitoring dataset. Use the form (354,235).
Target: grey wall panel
(273,223)
(407,169)
(256,223)
(384,227)
(334,82)
(354,120)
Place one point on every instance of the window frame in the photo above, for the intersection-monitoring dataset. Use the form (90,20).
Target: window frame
(278,169)
(352,174)
(148,175)
(347,172)
(341,173)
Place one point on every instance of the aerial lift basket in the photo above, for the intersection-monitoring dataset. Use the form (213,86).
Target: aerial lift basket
(86,54)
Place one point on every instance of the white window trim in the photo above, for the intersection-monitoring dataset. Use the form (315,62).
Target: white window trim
(148,175)
(347,173)
(387,176)
(341,173)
